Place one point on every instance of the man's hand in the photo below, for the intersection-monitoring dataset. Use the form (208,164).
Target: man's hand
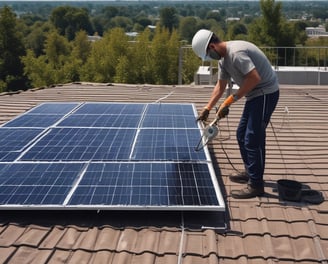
(223,111)
(224,108)
(203,115)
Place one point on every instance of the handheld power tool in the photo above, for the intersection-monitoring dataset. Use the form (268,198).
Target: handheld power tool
(210,131)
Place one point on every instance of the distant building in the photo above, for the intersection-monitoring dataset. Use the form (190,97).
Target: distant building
(316,32)
(94,38)
(231,19)
(132,34)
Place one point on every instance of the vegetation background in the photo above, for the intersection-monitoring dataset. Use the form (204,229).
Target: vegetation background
(45,43)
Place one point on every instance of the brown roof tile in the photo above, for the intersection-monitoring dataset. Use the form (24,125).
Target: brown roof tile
(54,235)
(69,238)
(6,253)
(59,256)
(25,254)
(80,257)
(169,242)
(32,236)
(259,230)
(11,234)
(107,239)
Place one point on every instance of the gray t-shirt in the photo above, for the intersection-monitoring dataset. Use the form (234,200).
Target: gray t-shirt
(240,59)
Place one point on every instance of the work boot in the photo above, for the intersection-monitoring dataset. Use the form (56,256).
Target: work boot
(241,177)
(248,192)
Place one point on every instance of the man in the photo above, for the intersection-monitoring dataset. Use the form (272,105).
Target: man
(250,69)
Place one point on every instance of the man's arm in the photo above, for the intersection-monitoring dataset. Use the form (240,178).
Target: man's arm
(251,80)
(217,93)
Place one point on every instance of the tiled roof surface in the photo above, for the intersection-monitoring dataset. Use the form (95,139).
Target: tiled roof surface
(259,230)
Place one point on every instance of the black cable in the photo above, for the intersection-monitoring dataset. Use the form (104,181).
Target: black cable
(221,140)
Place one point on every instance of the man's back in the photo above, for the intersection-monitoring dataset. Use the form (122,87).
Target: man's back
(242,57)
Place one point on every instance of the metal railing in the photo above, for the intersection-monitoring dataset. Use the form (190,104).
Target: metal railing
(297,56)
(278,56)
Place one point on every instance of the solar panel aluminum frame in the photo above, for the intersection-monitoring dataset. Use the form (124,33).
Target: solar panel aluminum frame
(66,204)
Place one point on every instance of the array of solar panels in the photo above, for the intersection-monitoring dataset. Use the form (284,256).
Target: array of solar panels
(106,156)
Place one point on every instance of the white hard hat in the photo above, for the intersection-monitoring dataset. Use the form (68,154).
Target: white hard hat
(200,43)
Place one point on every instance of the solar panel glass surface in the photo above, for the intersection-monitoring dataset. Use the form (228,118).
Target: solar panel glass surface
(168,144)
(14,140)
(36,184)
(53,108)
(94,120)
(82,144)
(145,184)
(111,109)
(44,115)
(34,120)
(106,156)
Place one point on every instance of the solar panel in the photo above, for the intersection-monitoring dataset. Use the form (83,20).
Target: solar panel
(14,140)
(36,183)
(82,144)
(43,115)
(168,144)
(106,156)
(145,184)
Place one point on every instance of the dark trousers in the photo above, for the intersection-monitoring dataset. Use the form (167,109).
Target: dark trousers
(251,135)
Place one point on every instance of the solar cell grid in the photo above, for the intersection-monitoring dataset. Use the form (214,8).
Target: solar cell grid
(110,109)
(94,120)
(34,120)
(106,156)
(82,144)
(36,184)
(13,141)
(168,144)
(151,184)
(168,121)
(43,115)
(170,109)
(53,108)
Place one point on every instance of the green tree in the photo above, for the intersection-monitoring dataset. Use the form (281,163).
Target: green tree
(122,71)
(173,46)
(160,60)
(97,65)
(272,29)
(52,67)
(169,18)
(266,29)
(190,65)
(69,20)
(187,27)
(11,48)
(143,21)
(121,22)
(37,35)
(104,57)
(320,13)
(142,58)
(214,15)
(237,30)
(81,46)
(81,49)
(38,70)
(299,32)
(57,50)
(110,11)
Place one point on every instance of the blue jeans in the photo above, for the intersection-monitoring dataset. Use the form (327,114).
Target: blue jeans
(251,135)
